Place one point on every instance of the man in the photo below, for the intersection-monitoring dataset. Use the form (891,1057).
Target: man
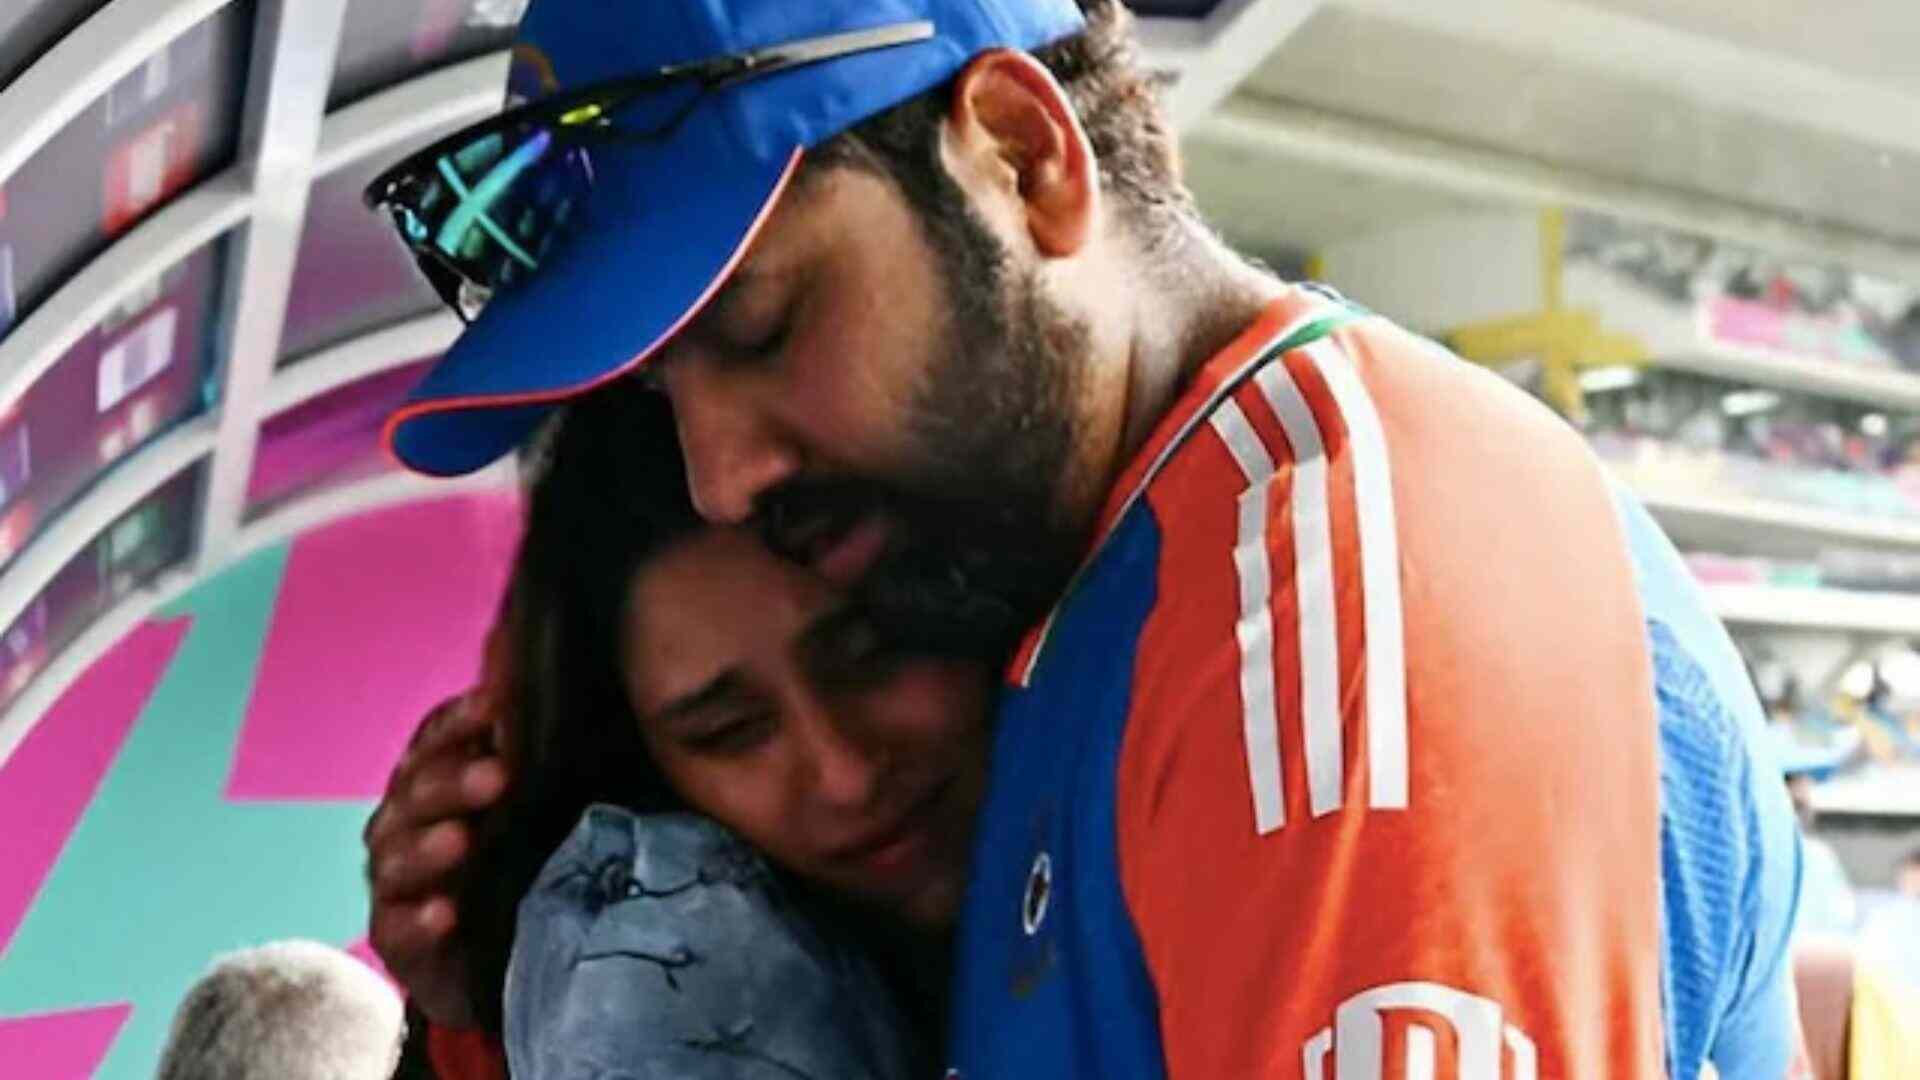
(1360,722)
(292,1010)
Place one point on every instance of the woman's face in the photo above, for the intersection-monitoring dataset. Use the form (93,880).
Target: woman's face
(773,707)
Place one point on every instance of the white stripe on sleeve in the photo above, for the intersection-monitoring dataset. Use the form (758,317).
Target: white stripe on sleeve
(1380,577)
(1319,627)
(1254,629)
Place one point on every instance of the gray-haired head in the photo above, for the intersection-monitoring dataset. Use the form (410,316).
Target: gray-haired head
(292,1010)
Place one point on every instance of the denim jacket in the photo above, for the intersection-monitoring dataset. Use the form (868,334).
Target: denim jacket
(663,946)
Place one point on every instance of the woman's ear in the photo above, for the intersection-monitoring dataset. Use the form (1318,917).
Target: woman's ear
(1013,137)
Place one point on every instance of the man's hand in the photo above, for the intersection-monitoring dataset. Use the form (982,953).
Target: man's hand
(418,841)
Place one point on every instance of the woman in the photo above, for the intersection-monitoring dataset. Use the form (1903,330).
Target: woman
(686,668)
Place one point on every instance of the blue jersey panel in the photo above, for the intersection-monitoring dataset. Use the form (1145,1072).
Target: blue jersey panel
(1051,979)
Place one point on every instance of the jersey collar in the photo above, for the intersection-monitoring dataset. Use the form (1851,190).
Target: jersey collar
(1295,316)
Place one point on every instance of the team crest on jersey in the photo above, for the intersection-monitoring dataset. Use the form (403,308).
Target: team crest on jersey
(1429,1020)
(1034,948)
(1038,895)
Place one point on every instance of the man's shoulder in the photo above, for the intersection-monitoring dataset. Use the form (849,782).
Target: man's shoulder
(1337,443)
(1331,383)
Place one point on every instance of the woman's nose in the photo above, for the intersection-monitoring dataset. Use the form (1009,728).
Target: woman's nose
(847,767)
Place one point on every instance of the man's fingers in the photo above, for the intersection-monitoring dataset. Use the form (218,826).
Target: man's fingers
(426,784)
(437,791)
(409,935)
(463,719)
(416,866)
(454,789)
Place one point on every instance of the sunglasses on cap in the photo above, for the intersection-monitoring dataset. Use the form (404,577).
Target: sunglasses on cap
(482,208)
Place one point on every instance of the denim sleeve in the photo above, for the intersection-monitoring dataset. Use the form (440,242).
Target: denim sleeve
(663,946)
(1730,848)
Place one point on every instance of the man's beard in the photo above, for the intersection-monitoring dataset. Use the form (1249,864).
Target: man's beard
(980,550)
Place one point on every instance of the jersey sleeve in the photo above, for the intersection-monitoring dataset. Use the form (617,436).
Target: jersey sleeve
(1732,861)
(1388,794)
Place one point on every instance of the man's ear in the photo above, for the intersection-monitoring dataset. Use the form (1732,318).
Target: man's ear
(1012,129)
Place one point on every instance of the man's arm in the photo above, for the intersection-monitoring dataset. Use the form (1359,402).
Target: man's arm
(1733,858)
(1328,879)
(421,837)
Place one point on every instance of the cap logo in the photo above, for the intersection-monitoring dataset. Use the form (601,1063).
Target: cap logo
(531,77)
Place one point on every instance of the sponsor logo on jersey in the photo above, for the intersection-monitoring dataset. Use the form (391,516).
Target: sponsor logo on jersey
(1409,1030)
(1034,949)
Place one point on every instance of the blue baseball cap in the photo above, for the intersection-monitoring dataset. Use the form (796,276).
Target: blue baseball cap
(668,220)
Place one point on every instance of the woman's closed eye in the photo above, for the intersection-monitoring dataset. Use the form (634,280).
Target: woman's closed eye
(725,733)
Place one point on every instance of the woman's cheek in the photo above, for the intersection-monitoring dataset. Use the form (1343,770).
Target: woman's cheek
(937,699)
(740,793)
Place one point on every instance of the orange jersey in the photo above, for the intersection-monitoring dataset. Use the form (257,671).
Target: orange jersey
(1347,756)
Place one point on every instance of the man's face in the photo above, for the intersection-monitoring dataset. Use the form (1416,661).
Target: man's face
(891,400)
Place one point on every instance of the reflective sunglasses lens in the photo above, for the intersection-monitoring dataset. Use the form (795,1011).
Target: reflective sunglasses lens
(489,213)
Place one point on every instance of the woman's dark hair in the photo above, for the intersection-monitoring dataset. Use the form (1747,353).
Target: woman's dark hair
(609,493)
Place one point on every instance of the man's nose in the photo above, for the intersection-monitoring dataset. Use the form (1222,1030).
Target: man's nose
(736,449)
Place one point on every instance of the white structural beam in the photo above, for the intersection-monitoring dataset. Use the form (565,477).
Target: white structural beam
(1836,610)
(79,305)
(1281,131)
(295,45)
(1210,57)
(323,508)
(314,511)
(1737,523)
(23,715)
(460,94)
(359,358)
(1736,76)
(121,490)
(84,65)
(1882,791)
(1884,388)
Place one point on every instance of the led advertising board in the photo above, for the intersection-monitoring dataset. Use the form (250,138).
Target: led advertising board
(388,41)
(136,374)
(149,539)
(168,124)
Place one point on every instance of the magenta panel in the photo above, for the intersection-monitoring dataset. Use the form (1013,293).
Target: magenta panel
(330,439)
(325,722)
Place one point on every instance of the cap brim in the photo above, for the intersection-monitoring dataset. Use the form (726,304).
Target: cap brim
(609,299)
